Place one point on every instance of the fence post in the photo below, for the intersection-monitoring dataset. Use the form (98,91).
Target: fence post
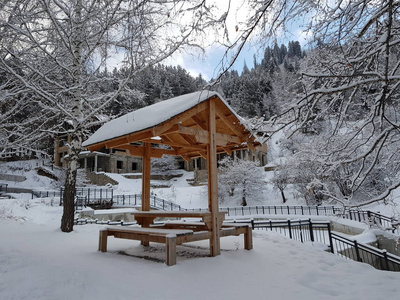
(330,238)
(290,228)
(252,224)
(316,208)
(311,230)
(357,251)
(386,259)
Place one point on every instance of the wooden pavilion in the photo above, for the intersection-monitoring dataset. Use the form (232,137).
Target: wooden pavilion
(199,124)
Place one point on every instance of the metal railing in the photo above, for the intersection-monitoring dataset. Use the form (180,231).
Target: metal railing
(369,217)
(45,194)
(320,231)
(379,259)
(282,210)
(136,200)
(92,195)
(302,230)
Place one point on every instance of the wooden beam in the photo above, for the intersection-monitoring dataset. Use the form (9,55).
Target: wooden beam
(215,246)
(133,150)
(189,139)
(199,122)
(203,154)
(130,138)
(228,123)
(157,152)
(173,143)
(116,142)
(202,136)
(185,157)
(228,150)
(96,147)
(140,136)
(139,151)
(163,127)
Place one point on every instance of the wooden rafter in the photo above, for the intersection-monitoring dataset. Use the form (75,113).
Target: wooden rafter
(199,122)
(162,128)
(228,123)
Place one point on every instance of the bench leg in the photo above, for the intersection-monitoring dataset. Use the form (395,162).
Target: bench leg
(248,239)
(103,240)
(170,251)
(145,243)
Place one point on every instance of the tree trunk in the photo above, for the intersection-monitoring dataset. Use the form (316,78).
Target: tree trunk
(67,220)
(283,196)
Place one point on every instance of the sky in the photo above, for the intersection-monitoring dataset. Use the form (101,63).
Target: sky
(208,62)
(208,65)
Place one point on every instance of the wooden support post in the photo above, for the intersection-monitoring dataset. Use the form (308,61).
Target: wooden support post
(146,177)
(103,240)
(248,239)
(170,251)
(215,248)
(146,173)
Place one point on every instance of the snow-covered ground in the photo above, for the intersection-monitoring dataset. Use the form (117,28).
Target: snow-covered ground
(38,261)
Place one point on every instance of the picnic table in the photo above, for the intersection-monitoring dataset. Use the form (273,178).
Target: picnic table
(175,232)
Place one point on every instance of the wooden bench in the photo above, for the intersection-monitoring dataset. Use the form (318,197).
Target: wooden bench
(172,234)
(170,237)
(227,229)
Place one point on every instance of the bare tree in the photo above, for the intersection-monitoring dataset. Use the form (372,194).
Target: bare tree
(52,52)
(351,82)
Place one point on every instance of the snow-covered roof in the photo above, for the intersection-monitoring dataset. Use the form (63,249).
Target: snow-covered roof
(149,116)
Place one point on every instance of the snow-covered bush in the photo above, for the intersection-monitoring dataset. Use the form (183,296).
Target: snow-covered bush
(239,179)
